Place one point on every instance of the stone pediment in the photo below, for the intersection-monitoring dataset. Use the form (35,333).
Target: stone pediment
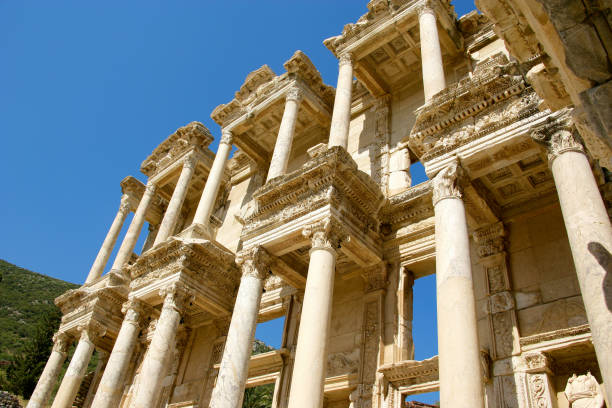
(494,97)
(193,135)
(331,178)
(253,81)
(300,65)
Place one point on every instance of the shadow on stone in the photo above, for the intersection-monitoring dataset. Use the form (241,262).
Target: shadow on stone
(604,258)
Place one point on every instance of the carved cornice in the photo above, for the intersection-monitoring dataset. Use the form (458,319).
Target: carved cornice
(558,135)
(255,262)
(410,206)
(300,65)
(331,178)
(494,97)
(194,135)
(448,182)
(411,372)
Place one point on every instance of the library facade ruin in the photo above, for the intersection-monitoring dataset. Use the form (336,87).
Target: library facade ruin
(315,219)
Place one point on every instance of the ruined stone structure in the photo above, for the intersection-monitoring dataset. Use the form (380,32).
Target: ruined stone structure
(315,218)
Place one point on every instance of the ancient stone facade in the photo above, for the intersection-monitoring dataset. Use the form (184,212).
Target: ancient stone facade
(315,218)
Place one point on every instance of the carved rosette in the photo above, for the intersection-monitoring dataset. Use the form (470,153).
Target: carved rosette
(61,342)
(324,234)
(124,206)
(559,135)
(345,59)
(177,297)
(227,137)
(294,94)
(255,262)
(447,183)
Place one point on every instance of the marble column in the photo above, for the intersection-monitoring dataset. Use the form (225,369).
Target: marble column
(76,369)
(109,242)
(133,232)
(341,116)
(431,54)
(458,347)
(155,365)
(233,372)
(111,385)
(211,189)
(284,140)
(51,372)
(406,295)
(588,229)
(311,352)
(176,201)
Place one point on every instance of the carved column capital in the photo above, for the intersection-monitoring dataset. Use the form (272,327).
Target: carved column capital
(448,183)
(227,137)
(324,234)
(176,297)
(91,331)
(124,206)
(295,94)
(537,362)
(559,135)
(61,342)
(426,7)
(345,59)
(133,310)
(151,188)
(255,262)
(190,162)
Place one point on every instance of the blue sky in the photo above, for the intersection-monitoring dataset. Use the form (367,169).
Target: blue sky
(89,89)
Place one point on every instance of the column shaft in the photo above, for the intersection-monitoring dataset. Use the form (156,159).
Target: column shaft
(50,374)
(311,351)
(590,237)
(211,188)
(109,242)
(233,372)
(75,373)
(341,116)
(133,232)
(431,54)
(176,202)
(284,140)
(155,366)
(458,347)
(111,385)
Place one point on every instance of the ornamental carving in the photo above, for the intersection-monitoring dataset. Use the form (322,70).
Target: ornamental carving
(447,183)
(558,135)
(490,239)
(324,234)
(583,391)
(255,262)
(227,137)
(125,206)
(295,94)
(375,277)
(345,59)
(61,342)
(177,297)
(539,392)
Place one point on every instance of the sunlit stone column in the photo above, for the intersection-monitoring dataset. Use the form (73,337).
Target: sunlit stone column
(588,229)
(431,54)
(155,365)
(51,372)
(176,202)
(111,385)
(109,242)
(76,369)
(235,362)
(133,232)
(284,140)
(341,116)
(311,351)
(211,189)
(459,352)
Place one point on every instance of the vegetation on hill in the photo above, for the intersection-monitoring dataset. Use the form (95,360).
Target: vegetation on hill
(261,396)
(25,297)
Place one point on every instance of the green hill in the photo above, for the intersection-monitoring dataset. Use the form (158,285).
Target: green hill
(25,296)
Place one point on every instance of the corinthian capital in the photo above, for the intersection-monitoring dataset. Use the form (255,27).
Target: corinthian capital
(447,183)
(61,341)
(255,262)
(133,310)
(125,206)
(345,59)
(91,331)
(190,162)
(151,188)
(227,137)
(295,94)
(176,297)
(558,135)
(324,234)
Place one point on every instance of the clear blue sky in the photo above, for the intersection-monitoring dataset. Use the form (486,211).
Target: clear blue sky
(89,89)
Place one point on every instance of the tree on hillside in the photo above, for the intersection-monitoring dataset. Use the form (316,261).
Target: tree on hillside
(27,365)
